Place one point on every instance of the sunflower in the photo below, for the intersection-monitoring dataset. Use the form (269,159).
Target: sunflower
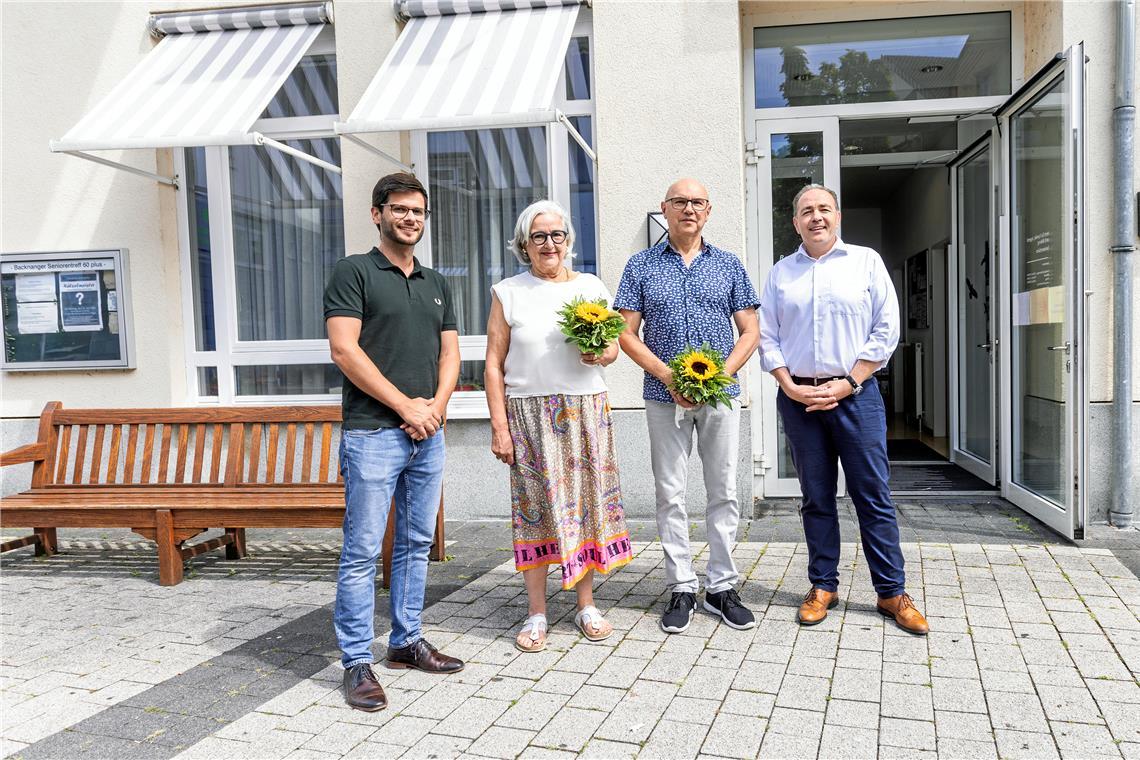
(698,366)
(698,375)
(591,312)
(590,325)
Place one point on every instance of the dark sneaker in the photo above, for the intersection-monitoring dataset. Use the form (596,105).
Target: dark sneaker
(678,612)
(732,611)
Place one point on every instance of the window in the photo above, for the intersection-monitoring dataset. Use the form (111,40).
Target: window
(264,230)
(953,56)
(479,182)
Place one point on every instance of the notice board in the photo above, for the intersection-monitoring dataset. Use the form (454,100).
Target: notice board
(66,310)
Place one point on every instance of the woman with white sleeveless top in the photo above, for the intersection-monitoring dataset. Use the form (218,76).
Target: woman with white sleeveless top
(551,422)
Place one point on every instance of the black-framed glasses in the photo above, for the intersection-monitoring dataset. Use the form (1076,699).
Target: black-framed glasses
(400,211)
(557,236)
(678,204)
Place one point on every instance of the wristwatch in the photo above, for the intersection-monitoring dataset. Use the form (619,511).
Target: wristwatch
(856,389)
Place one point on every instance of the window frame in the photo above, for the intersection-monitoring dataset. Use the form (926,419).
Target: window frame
(230,352)
(880,109)
(473,404)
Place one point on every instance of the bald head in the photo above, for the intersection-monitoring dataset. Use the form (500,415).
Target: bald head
(687,187)
(686,208)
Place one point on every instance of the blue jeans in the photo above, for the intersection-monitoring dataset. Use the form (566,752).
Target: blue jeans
(854,433)
(377,465)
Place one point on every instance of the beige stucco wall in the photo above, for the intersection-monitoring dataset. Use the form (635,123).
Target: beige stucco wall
(365,32)
(668,98)
(59,59)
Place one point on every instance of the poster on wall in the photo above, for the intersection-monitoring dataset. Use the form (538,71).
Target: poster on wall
(66,310)
(79,305)
(917,293)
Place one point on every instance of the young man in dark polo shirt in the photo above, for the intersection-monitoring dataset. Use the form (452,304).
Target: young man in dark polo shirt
(392,332)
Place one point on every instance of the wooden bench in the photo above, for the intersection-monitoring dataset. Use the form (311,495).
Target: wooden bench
(171,474)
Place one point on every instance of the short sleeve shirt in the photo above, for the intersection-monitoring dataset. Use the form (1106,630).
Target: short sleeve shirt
(401,321)
(684,306)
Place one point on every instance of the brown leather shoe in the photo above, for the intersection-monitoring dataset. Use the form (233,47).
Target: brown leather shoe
(423,656)
(816,604)
(905,614)
(361,689)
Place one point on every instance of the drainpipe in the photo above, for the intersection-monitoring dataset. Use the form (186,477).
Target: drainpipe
(1123,250)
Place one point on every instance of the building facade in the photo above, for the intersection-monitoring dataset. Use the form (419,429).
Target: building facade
(970,142)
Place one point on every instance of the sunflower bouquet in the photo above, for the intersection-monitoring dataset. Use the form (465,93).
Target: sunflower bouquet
(698,375)
(590,325)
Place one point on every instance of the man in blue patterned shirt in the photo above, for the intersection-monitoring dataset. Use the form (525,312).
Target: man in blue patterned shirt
(685,292)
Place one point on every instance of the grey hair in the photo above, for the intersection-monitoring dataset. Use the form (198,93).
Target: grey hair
(807,188)
(526,219)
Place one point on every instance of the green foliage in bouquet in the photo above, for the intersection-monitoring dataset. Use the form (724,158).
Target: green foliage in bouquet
(591,325)
(698,375)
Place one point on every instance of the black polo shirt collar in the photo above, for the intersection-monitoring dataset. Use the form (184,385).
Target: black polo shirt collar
(384,262)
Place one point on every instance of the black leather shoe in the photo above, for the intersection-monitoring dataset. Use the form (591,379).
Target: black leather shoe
(423,656)
(361,689)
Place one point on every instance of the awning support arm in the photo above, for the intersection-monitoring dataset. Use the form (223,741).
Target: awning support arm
(577,137)
(162,179)
(372,148)
(260,139)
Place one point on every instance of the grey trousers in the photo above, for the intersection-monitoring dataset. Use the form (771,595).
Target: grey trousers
(670,443)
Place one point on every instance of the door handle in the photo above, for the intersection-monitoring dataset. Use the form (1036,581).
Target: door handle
(1064,348)
(986,346)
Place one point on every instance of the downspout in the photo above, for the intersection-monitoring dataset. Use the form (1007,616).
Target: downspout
(1123,250)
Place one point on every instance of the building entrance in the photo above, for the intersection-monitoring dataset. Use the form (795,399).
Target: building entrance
(979,219)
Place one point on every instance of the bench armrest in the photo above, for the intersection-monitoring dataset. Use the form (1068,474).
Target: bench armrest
(33,452)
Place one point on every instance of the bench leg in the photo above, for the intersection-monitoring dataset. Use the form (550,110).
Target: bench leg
(169,551)
(389,541)
(438,549)
(46,542)
(236,550)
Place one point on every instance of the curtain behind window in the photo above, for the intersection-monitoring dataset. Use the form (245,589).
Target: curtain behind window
(479,182)
(288,228)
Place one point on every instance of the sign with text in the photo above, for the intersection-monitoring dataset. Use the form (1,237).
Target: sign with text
(66,310)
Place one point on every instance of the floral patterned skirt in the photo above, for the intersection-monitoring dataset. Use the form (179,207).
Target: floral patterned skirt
(566,506)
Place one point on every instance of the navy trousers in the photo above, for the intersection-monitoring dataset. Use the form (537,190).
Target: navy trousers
(854,433)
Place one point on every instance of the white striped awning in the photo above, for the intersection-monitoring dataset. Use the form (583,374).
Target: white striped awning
(205,83)
(465,64)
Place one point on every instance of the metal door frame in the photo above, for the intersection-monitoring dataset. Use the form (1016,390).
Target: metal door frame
(988,472)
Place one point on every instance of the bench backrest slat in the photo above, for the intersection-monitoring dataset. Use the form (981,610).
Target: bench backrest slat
(290,450)
(113,458)
(131,453)
(307,454)
(64,453)
(183,445)
(199,452)
(216,454)
(97,454)
(326,448)
(80,454)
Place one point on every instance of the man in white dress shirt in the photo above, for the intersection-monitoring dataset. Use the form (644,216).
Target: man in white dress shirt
(829,318)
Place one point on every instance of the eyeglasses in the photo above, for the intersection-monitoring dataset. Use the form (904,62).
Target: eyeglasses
(678,204)
(400,211)
(557,236)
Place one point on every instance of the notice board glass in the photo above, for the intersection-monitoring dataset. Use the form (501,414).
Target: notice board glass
(66,310)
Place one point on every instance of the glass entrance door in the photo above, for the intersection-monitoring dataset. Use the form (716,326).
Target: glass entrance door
(1043,326)
(787,154)
(973,330)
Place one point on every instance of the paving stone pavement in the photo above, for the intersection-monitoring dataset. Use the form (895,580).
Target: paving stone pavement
(1035,652)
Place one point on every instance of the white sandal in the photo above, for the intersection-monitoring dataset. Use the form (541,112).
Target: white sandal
(589,616)
(536,626)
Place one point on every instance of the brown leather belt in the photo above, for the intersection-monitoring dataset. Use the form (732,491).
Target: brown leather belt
(814,380)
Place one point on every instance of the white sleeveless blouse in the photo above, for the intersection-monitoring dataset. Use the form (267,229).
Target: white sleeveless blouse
(539,361)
